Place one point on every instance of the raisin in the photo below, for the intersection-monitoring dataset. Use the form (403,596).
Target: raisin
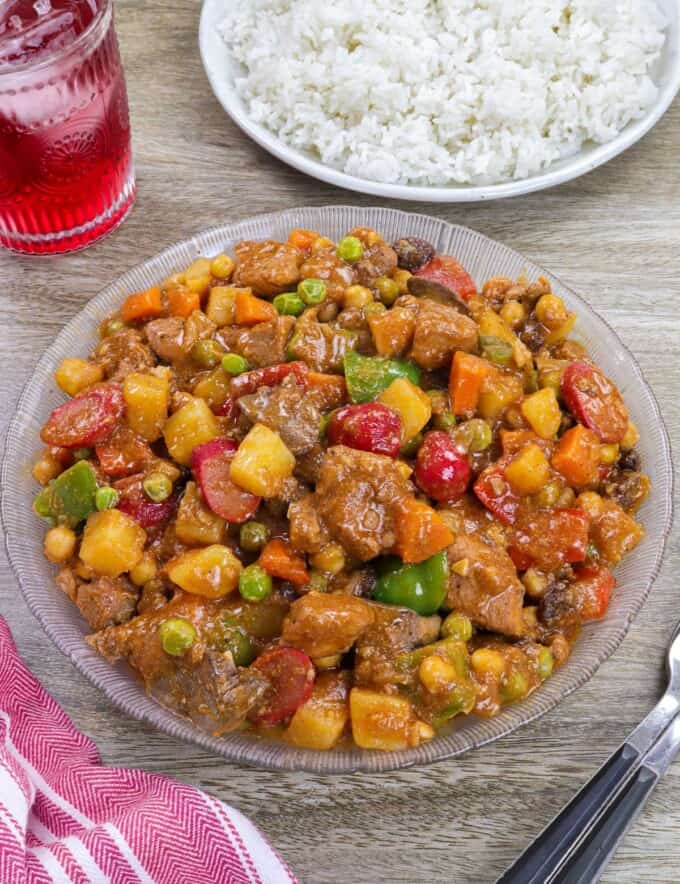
(412,252)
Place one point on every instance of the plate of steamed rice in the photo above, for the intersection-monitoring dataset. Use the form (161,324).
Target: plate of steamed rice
(443,100)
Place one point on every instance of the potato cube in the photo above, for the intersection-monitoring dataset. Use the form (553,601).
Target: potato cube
(74,375)
(320,722)
(413,406)
(392,330)
(384,721)
(191,425)
(212,572)
(614,532)
(529,471)
(146,401)
(221,305)
(262,462)
(113,542)
(213,387)
(499,390)
(542,411)
(197,276)
(196,524)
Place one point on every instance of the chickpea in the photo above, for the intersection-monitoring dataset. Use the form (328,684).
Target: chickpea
(321,243)
(632,436)
(173,283)
(436,674)
(60,544)
(357,296)
(535,582)
(421,733)
(566,498)
(551,312)
(486,661)
(46,469)
(561,649)
(591,502)
(401,277)
(198,278)
(609,454)
(330,560)
(513,313)
(496,287)
(222,266)
(367,235)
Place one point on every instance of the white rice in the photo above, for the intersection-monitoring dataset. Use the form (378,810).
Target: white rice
(434,92)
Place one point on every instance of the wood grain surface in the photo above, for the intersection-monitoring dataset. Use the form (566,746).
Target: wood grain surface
(613,235)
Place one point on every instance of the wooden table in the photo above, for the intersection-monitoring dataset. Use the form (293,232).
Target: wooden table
(614,236)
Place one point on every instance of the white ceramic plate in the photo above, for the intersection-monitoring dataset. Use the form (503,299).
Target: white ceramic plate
(483,258)
(222,69)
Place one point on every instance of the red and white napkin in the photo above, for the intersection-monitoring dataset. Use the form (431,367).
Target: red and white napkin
(66,818)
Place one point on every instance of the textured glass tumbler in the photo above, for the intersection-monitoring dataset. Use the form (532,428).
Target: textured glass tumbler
(66,170)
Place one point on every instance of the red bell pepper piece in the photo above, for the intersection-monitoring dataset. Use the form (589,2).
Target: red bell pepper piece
(271,376)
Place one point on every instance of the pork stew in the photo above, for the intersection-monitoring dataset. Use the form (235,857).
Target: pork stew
(326,489)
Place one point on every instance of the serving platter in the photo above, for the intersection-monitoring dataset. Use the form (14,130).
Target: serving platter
(222,70)
(482,257)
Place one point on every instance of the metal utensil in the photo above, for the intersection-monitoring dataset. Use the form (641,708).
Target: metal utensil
(635,766)
(590,859)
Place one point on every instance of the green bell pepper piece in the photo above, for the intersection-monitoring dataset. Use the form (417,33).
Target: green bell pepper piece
(421,587)
(70,498)
(495,349)
(368,376)
(461,699)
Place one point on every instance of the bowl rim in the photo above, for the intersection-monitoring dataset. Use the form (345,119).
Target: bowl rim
(253,753)
(569,168)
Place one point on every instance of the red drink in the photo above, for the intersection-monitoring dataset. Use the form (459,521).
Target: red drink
(66,172)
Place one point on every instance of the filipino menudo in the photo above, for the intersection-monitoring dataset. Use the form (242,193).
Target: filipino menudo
(321,488)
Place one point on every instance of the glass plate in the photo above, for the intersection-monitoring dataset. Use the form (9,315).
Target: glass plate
(483,257)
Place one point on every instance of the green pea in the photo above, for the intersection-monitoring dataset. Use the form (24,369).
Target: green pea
(350,249)
(177,636)
(374,308)
(253,536)
(42,506)
(387,289)
(312,291)
(457,626)
(113,326)
(106,497)
(410,448)
(515,686)
(254,584)
(545,663)
(82,453)
(234,364)
(446,420)
(289,304)
(157,487)
(207,353)
(318,581)
(439,399)
(480,434)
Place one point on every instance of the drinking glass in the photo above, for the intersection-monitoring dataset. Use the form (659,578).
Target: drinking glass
(66,170)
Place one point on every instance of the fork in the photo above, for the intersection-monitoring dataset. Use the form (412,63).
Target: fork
(631,772)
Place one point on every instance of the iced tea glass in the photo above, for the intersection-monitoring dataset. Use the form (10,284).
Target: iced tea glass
(66,171)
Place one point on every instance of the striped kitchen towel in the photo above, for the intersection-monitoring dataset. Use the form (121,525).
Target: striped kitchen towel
(66,818)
